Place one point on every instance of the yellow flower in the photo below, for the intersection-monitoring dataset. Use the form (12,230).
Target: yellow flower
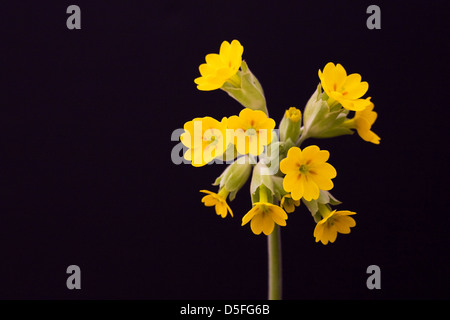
(307,172)
(263,217)
(337,221)
(221,67)
(289,204)
(363,122)
(206,139)
(347,90)
(293,114)
(252,131)
(219,200)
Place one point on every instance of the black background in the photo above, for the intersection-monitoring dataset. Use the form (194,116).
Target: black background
(86,171)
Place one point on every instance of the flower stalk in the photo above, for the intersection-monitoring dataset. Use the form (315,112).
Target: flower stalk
(275,268)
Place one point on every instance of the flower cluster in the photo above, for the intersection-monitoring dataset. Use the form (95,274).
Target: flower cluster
(283,174)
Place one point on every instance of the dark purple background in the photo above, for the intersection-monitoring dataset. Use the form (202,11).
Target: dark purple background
(87,177)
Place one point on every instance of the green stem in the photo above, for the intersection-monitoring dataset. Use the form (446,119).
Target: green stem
(275,271)
(302,138)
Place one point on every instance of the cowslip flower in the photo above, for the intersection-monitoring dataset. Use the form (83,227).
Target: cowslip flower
(222,67)
(363,121)
(252,131)
(289,204)
(263,217)
(326,230)
(307,172)
(206,139)
(218,200)
(343,88)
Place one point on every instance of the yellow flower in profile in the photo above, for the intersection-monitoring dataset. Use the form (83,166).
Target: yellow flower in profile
(363,122)
(289,204)
(336,221)
(221,67)
(263,217)
(218,200)
(343,88)
(252,131)
(206,139)
(307,172)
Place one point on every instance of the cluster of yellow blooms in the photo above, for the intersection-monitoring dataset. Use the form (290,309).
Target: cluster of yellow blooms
(304,175)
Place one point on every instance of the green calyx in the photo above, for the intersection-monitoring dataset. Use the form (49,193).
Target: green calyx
(246,89)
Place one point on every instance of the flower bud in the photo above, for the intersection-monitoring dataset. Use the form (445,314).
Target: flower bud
(290,125)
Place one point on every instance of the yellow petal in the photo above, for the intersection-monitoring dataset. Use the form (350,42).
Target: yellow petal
(229,209)
(249,216)
(213,59)
(339,75)
(352,81)
(363,127)
(318,231)
(224,51)
(368,114)
(289,165)
(353,87)
(354,105)
(297,185)
(257,224)
(329,233)
(252,146)
(292,162)
(326,169)
(278,215)
(290,181)
(206,69)
(233,122)
(311,190)
(207,86)
(221,209)
(288,206)
(209,201)
(322,181)
(236,49)
(187,154)
(344,213)
(268,224)
(246,114)
(329,72)
(344,223)
(313,155)
(196,156)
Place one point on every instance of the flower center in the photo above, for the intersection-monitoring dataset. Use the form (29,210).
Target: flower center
(304,169)
(251,132)
(212,140)
(264,209)
(330,221)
